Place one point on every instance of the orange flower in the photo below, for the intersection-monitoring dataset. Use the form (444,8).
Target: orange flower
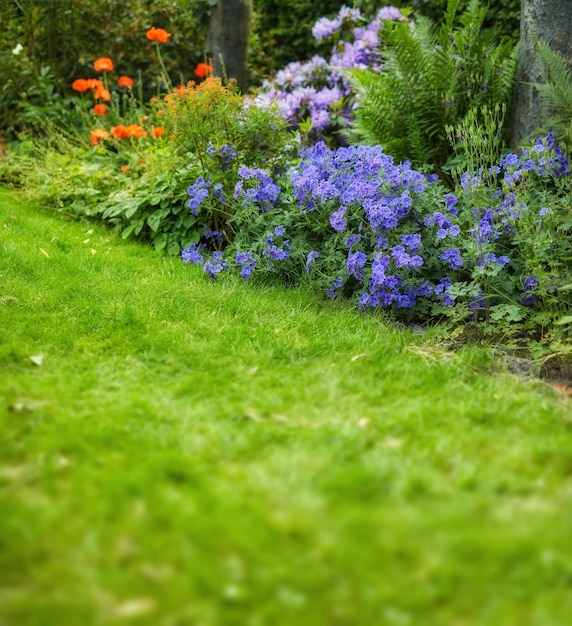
(120,132)
(103,64)
(158,131)
(133,130)
(96,135)
(125,81)
(80,85)
(160,35)
(102,93)
(100,109)
(125,169)
(136,131)
(203,69)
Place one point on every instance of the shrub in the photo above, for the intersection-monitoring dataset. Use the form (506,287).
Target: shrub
(314,96)
(432,77)
(358,225)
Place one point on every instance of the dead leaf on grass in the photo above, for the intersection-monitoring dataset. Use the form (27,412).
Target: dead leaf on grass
(37,359)
(134,608)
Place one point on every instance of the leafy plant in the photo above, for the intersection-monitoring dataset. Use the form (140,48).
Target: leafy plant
(432,77)
(556,93)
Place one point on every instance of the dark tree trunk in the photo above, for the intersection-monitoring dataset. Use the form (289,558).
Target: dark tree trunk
(549,21)
(228,39)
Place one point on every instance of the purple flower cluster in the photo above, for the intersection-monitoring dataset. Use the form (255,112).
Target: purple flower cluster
(274,251)
(355,220)
(248,262)
(192,255)
(374,196)
(198,193)
(215,265)
(314,88)
(262,191)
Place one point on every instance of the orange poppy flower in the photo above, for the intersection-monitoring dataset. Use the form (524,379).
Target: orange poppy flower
(100,109)
(136,131)
(125,81)
(120,132)
(102,93)
(158,131)
(203,69)
(160,35)
(103,64)
(96,135)
(81,85)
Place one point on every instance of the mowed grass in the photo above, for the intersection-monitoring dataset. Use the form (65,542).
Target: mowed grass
(175,452)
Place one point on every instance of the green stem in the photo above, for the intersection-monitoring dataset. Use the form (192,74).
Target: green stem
(166,79)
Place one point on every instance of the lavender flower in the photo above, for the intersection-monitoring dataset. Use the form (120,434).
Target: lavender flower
(453,257)
(312,256)
(192,255)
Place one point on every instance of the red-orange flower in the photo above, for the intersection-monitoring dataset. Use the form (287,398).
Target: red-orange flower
(81,85)
(125,81)
(102,93)
(104,64)
(100,109)
(136,131)
(203,69)
(120,132)
(158,131)
(160,35)
(133,130)
(125,169)
(96,135)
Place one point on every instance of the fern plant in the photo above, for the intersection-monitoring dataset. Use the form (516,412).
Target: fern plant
(432,77)
(556,93)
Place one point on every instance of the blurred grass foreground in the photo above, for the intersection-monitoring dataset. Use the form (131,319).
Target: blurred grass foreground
(178,451)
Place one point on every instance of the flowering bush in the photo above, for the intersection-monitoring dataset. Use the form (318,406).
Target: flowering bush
(313,95)
(359,225)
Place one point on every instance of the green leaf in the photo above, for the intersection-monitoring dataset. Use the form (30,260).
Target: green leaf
(160,241)
(567,319)
(154,220)
(173,248)
(127,231)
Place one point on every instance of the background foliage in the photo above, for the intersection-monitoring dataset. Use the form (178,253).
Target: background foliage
(60,40)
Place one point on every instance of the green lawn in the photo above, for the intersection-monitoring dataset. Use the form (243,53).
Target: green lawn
(179,452)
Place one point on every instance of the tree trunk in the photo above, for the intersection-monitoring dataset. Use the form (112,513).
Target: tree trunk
(549,21)
(228,39)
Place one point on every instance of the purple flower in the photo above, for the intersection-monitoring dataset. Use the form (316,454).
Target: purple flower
(312,256)
(413,242)
(352,240)
(215,265)
(243,257)
(355,264)
(453,257)
(192,255)
(336,284)
(279,231)
(337,219)
(530,283)
(451,202)
(490,257)
(198,192)
(509,160)
(390,13)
